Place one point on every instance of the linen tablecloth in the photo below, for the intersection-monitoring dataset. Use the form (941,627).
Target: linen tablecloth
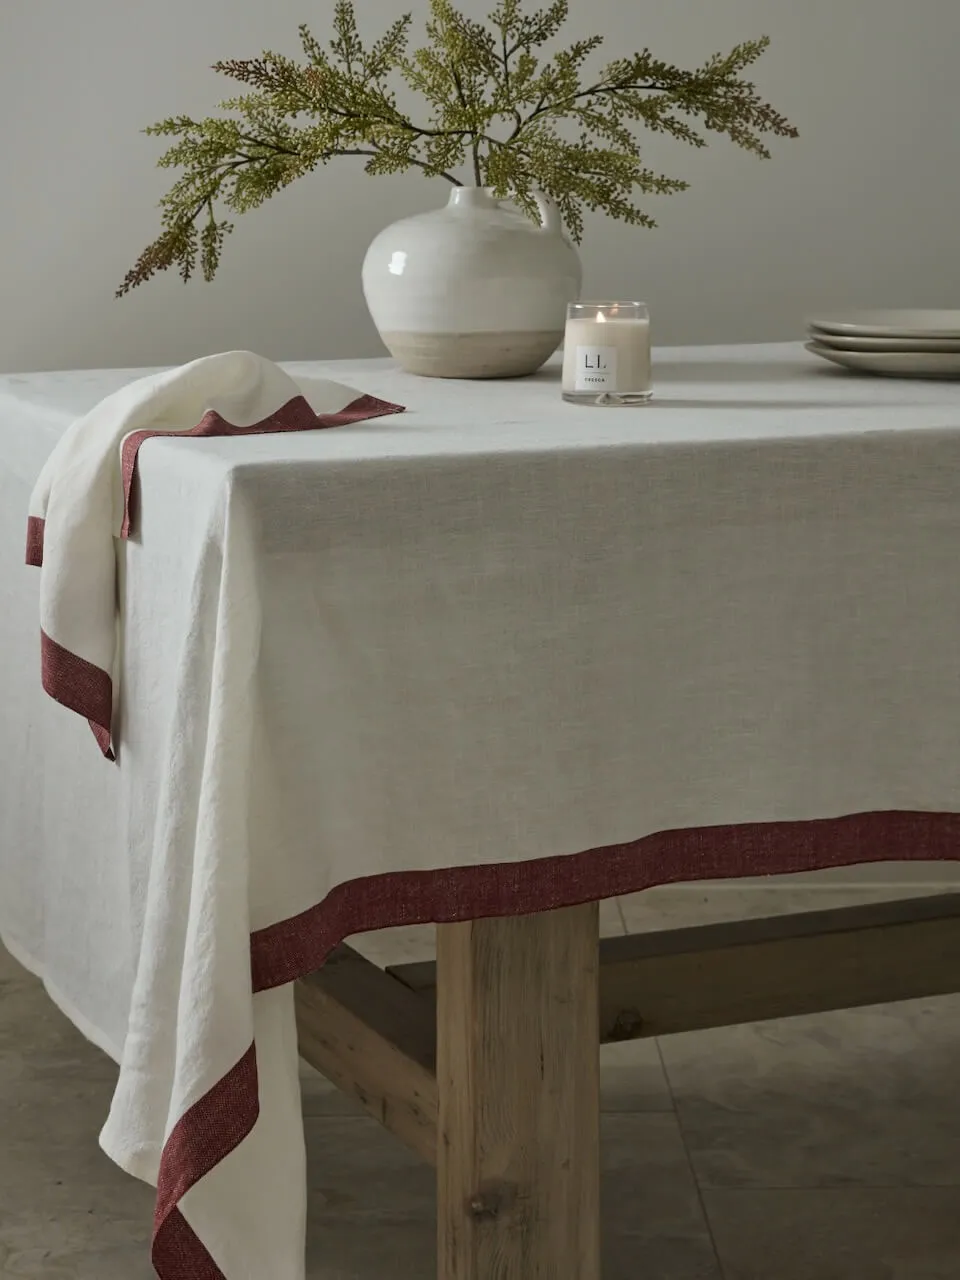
(502,654)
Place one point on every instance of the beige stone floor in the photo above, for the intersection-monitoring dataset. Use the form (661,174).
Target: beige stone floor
(816,1148)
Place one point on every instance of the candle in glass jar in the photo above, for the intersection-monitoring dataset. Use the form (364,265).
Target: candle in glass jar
(606,353)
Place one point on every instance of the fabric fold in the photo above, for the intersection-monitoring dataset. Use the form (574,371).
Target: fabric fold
(83,500)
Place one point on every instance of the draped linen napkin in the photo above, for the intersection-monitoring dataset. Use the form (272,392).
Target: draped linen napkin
(83,499)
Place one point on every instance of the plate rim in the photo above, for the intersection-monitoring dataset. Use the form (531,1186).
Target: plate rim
(855,328)
(835,356)
(950,346)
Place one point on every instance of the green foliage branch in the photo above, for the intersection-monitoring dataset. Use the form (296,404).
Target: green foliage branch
(515,121)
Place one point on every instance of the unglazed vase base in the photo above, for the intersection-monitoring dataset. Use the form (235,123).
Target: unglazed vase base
(473,355)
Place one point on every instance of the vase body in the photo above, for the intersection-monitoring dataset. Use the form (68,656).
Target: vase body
(472,290)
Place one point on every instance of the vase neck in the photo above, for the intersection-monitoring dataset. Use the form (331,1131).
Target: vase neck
(472,198)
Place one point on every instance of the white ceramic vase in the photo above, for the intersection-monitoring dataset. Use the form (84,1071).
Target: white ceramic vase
(473,290)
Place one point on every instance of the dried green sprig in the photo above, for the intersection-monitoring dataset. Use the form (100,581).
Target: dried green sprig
(494,106)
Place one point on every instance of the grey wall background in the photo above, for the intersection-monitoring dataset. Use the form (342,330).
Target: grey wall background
(862,210)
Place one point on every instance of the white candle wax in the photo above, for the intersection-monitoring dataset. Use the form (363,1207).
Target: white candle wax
(607,356)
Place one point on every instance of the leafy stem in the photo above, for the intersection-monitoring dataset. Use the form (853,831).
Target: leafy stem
(498,108)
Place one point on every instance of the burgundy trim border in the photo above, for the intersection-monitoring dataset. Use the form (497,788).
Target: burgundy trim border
(199,1140)
(297,946)
(295,415)
(80,686)
(177,1251)
(36,527)
(85,688)
(292,948)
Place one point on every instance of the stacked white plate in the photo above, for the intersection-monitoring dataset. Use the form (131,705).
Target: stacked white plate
(897,344)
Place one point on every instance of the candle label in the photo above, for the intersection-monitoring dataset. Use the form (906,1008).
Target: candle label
(596,369)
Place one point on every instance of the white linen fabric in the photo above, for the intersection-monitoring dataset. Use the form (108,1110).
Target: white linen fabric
(495,629)
(81,500)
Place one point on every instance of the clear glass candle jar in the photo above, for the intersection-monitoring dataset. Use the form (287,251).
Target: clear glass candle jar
(606,353)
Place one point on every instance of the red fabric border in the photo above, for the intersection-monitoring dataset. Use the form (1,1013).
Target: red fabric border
(200,1139)
(295,415)
(79,684)
(295,947)
(35,530)
(177,1251)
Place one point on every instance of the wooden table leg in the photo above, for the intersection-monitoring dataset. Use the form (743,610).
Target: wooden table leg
(518,1149)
